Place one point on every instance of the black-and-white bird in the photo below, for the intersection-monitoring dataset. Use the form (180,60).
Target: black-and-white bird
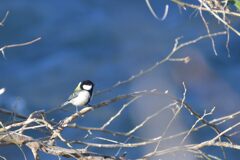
(81,95)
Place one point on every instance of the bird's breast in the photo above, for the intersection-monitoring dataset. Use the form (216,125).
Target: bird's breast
(82,98)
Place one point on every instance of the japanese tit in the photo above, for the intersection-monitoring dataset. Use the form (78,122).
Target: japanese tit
(81,95)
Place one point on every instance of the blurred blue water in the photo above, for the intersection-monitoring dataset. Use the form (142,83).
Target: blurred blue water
(108,41)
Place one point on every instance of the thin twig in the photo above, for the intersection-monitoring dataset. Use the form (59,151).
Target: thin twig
(4,19)
(195,124)
(184,4)
(176,48)
(17,45)
(119,112)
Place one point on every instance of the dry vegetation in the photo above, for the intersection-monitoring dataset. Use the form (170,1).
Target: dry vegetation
(15,132)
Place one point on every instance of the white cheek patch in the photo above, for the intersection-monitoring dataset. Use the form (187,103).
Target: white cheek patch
(87,87)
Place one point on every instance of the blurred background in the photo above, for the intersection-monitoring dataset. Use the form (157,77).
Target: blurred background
(107,41)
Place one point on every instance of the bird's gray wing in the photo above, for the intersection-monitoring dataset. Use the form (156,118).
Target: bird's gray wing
(72,96)
(75,92)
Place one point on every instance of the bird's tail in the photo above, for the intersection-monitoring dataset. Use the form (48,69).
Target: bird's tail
(64,104)
(58,108)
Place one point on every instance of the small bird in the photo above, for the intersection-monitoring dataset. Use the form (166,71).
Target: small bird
(81,95)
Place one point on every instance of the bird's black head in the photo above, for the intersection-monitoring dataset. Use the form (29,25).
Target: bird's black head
(87,85)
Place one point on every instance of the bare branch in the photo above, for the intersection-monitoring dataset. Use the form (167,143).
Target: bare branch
(2,49)
(11,113)
(195,124)
(184,4)
(176,48)
(119,112)
(4,19)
